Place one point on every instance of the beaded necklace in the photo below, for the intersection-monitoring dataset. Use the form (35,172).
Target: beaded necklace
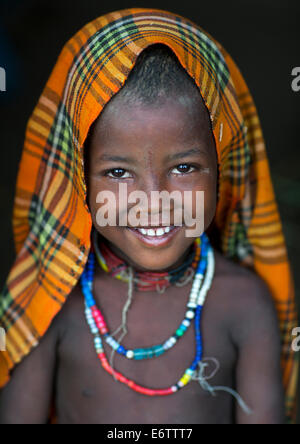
(157,350)
(195,305)
(205,266)
(144,281)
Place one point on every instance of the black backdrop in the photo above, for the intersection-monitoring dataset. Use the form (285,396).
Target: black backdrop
(263,36)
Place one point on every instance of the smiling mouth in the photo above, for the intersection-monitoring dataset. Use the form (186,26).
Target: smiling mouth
(154,231)
(155,236)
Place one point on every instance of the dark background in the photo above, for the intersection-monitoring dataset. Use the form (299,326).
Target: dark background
(263,36)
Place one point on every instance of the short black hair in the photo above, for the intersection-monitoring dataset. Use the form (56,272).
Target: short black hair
(157,74)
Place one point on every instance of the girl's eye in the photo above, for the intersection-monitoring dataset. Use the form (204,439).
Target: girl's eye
(118,173)
(183,168)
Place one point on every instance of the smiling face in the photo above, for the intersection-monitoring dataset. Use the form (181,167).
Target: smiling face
(170,148)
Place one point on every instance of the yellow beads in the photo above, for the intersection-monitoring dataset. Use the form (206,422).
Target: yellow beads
(185,379)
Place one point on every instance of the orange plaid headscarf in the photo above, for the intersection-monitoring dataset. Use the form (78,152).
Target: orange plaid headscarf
(51,219)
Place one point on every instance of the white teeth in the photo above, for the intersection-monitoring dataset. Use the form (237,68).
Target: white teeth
(150,232)
(154,232)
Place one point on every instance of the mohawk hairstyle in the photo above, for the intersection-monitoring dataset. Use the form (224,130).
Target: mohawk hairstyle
(157,74)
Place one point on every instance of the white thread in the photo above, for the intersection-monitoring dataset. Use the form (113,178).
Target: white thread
(186,278)
(159,289)
(199,376)
(123,326)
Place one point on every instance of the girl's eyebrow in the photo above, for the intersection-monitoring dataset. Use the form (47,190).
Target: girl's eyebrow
(187,153)
(111,158)
(131,160)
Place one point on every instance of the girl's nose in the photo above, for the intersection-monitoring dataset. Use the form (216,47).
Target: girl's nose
(158,207)
(153,182)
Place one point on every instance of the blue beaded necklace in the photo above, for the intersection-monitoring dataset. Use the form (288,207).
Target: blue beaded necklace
(195,371)
(145,353)
(198,295)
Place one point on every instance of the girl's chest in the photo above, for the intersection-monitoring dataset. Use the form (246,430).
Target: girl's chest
(82,378)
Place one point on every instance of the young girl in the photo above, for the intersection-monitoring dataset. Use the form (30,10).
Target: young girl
(141,323)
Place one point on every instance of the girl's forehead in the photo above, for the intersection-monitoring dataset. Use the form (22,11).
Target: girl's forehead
(182,116)
(148,132)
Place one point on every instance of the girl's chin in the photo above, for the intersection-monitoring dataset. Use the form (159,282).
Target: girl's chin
(148,253)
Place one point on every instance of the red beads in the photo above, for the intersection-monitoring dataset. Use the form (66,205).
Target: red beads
(131,384)
(99,320)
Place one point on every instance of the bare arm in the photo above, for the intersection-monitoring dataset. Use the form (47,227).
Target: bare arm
(258,375)
(26,398)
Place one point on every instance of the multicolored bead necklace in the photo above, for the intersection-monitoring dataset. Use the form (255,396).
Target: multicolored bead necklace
(197,298)
(150,352)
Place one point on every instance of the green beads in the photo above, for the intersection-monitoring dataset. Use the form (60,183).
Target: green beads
(179,332)
(146,353)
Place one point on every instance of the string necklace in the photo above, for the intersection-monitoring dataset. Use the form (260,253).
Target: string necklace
(145,353)
(198,296)
(95,320)
(146,281)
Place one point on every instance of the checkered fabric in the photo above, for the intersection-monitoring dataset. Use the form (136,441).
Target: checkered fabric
(51,219)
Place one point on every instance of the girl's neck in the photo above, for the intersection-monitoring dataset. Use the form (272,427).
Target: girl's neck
(118,265)
(136,267)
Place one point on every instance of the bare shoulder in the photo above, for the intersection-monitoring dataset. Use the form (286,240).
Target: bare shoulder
(244,297)
(244,283)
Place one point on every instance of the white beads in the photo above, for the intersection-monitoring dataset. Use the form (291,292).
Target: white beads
(186,323)
(129,354)
(208,277)
(190,314)
(98,342)
(169,343)
(112,342)
(90,320)
(194,295)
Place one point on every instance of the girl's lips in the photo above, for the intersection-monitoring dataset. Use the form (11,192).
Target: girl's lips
(155,241)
